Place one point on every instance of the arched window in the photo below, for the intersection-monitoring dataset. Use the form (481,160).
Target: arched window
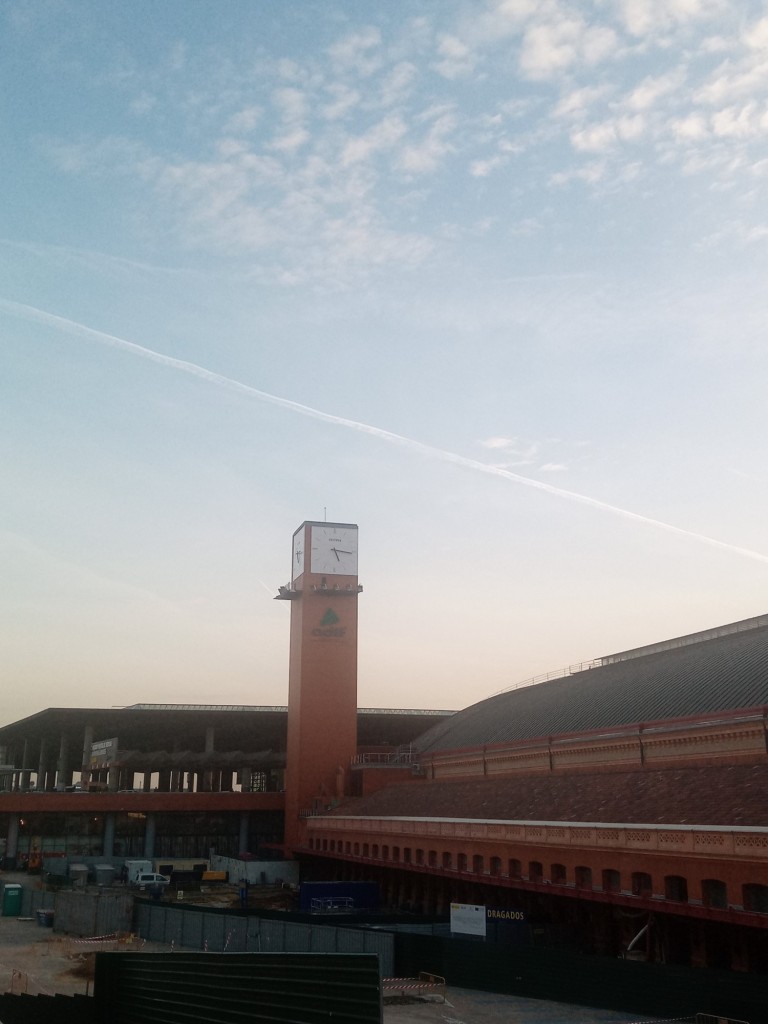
(447,861)
(395,853)
(366,850)
(357,849)
(535,871)
(676,888)
(433,858)
(558,874)
(641,884)
(611,880)
(419,856)
(406,855)
(583,877)
(461,861)
(515,869)
(376,851)
(495,866)
(755,897)
(477,864)
(714,893)
(385,852)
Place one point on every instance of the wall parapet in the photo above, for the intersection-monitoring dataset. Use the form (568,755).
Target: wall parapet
(707,841)
(704,739)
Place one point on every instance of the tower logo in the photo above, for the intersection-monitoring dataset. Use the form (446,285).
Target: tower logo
(329,626)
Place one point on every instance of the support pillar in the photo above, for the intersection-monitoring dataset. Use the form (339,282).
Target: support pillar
(61,766)
(109,834)
(85,768)
(25,769)
(149,836)
(42,763)
(207,776)
(11,842)
(245,821)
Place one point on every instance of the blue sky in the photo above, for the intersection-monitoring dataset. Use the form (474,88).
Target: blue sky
(523,242)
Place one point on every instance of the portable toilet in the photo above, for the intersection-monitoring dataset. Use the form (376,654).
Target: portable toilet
(12,899)
(105,874)
(78,874)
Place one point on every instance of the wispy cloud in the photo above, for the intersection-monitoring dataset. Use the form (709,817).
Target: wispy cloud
(527,94)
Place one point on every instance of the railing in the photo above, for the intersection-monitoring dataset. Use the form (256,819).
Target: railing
(742,626)
(403,755)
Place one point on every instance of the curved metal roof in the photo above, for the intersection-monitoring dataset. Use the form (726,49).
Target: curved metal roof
(721,670)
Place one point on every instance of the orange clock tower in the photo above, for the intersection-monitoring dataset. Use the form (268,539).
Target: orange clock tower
(322,684)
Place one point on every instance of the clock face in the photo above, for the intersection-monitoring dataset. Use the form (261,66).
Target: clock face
(297,559)
(334,550)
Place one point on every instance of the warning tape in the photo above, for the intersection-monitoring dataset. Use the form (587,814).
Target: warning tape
(410,984)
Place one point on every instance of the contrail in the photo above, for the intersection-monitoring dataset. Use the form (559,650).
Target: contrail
(72,327)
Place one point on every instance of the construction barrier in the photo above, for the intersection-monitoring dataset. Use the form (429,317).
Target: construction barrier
(426,984)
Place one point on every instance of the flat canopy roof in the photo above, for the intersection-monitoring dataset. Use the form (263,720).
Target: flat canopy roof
(151,727)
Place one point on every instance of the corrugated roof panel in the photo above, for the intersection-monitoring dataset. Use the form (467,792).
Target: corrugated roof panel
(720,673)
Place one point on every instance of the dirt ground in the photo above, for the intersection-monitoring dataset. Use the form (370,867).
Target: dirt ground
(34,959)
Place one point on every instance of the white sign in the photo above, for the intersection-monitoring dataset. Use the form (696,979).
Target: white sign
(468,919)
(103,753)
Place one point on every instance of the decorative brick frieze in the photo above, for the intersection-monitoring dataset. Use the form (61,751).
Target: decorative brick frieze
(750,842)
(635,837)
(679,840)
(583,835)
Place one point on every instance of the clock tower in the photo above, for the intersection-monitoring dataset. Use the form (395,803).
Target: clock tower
(322,684)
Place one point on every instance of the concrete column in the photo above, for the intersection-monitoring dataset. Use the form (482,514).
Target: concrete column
(24,780)
(245,820)
(113,778)
(149,837)
(109,834)
(42,764)
(61,765)
(207,776)
(85,768)
(6,781)
(245,776)
(12,842)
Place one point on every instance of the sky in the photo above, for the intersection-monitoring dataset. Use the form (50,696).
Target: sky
(486,278)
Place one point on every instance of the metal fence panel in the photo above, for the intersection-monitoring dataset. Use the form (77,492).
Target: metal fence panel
(188,928)
(658,990)
(214,932)
(176,988)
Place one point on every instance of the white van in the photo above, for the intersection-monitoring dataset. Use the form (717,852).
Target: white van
(151,878)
